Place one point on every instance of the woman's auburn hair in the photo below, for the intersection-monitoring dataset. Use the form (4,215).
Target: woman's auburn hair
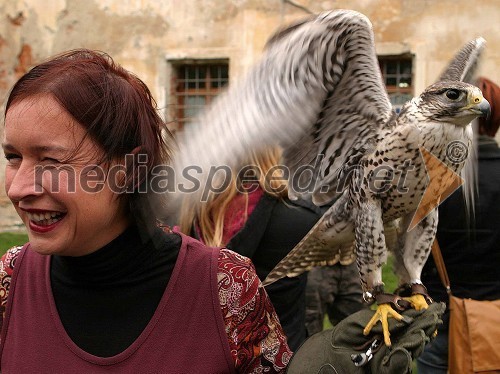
(491,92)
(207,217)
(115,107)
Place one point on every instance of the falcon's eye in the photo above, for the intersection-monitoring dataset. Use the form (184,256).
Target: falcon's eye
(453,94)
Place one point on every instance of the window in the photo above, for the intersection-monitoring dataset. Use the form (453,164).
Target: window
(194,85)
(397,75)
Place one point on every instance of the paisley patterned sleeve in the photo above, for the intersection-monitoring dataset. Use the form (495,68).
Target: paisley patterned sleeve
(256,338)
(7,263)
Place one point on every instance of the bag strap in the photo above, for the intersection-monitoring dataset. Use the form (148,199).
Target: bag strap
(441,268)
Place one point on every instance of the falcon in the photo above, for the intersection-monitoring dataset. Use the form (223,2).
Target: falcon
(318,93)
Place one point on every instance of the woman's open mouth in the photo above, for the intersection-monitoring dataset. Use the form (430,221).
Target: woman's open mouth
(44,219)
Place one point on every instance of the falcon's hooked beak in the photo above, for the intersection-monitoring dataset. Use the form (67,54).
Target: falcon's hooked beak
(479,105)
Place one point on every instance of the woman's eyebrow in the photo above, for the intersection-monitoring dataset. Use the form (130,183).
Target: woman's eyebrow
(48,148)
(8,147)
(37,148)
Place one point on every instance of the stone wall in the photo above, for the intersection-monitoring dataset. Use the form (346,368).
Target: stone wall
(143,35)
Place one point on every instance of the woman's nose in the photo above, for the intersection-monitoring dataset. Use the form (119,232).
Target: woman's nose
(23,182)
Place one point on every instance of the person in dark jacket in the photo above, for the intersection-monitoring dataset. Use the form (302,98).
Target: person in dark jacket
(470,244)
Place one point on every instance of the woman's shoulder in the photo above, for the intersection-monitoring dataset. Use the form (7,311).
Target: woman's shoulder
(236,274)
(8,260)
(7,264)
(229,257)
(255,336)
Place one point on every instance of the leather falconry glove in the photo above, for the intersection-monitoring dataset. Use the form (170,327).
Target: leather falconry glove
(345,350)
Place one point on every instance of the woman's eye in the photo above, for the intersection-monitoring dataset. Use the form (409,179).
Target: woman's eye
(453,94)
(12,157)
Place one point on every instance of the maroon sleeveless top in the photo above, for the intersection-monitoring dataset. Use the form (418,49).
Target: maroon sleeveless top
(185,335)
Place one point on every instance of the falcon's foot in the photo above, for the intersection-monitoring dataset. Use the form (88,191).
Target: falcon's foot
(418,301)
(383,312)
(388,305)
(416,294)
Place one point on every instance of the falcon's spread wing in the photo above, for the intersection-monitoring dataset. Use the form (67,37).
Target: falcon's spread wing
(353,111)
(316,90)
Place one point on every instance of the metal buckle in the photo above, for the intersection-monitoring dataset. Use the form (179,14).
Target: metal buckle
(361,359)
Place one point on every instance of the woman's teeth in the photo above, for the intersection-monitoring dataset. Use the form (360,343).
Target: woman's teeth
(45,219)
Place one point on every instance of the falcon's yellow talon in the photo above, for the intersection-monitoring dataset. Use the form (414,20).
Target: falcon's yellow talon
(383,312)
(417,301)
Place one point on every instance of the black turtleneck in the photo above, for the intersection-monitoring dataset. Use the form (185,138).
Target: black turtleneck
(106,299)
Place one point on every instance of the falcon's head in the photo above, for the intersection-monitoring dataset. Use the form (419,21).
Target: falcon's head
(453,102)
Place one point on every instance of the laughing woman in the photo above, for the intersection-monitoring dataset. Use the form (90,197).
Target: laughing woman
(99,287)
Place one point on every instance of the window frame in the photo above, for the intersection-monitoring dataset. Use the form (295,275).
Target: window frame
(180,90)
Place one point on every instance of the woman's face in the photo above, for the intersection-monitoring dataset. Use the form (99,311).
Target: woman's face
(67,206)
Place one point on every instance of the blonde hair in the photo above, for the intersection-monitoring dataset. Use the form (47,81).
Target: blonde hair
(209,215)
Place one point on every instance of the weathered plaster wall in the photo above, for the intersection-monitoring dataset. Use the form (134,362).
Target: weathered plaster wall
(143,34)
